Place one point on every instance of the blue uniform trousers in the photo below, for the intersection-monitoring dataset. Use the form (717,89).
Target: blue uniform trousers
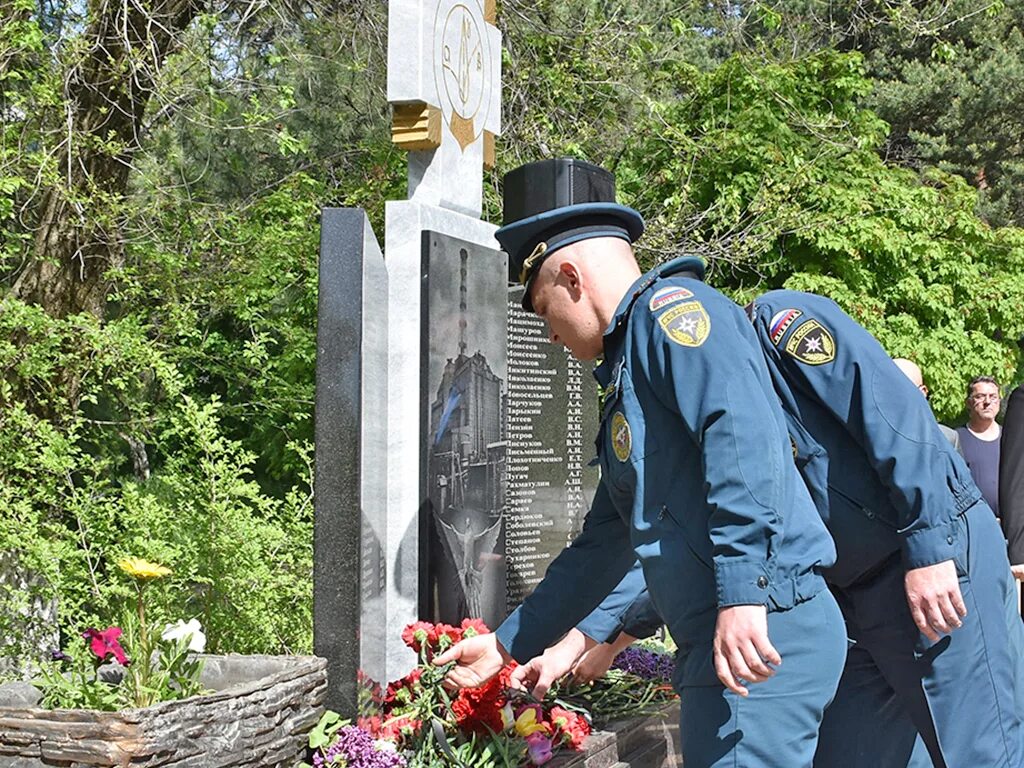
(775,726)
(904,701)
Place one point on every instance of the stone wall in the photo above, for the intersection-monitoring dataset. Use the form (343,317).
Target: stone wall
(259,716)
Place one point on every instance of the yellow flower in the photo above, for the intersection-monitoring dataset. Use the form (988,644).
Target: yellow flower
(138,568)
(527,723)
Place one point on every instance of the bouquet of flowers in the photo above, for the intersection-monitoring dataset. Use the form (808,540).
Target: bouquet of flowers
(420,725)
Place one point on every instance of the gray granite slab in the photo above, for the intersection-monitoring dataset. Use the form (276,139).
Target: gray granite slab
(350,529)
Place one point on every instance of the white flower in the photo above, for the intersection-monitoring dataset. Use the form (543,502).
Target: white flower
(383,745)
(192,630)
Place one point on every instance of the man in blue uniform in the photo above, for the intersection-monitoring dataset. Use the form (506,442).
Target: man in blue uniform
(921,573)
(698,484)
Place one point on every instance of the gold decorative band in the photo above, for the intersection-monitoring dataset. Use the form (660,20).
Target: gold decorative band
(416,126)
(490,153)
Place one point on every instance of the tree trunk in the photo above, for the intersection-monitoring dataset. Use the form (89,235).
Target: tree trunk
(79,239)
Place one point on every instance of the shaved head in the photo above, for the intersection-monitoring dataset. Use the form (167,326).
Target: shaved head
(910,370)
(577,289)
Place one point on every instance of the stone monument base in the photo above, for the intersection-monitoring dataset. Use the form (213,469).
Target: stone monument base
(258,716)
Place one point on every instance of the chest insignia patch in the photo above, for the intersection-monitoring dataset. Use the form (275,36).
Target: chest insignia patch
(687,324)
(622,438)
(668,295)
(780,323)
(811,343)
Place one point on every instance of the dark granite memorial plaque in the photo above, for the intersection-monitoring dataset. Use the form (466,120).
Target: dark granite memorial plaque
(349,617)
(552,423)
(463,459)
(508,421)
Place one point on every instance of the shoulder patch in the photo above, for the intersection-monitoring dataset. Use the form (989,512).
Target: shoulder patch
(668,295)
(687,324)
(780,323)
(811,343)
(622,438)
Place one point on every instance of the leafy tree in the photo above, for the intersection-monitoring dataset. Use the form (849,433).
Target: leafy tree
(773,173)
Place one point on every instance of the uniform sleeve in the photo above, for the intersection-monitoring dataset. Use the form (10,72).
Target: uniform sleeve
(576,581)
(1011,476)
(840,365)
(713,376)
(627,609)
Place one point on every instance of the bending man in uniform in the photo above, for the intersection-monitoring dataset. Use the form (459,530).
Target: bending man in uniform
(698,484)
(921,573)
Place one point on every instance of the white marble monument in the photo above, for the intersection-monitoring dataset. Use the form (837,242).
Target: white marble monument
(444,83)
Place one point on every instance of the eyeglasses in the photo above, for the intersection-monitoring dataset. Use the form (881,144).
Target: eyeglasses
(984,398)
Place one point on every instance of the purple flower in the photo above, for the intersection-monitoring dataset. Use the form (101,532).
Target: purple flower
(538,748)
(645,664)
(58,655)
(358,749)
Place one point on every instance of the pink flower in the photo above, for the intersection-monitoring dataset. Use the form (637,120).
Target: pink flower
(538,748)
(104,643)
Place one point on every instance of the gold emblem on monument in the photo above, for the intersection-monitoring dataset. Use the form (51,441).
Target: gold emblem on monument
(462,68)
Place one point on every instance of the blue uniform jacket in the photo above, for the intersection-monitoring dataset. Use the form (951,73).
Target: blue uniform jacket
(894,485)
(885,478)
(698,481)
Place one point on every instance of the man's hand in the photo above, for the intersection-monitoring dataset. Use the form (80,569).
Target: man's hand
(595,662)
(479,659)
(933,594)
(1017,571)
(742,649)
(539,673)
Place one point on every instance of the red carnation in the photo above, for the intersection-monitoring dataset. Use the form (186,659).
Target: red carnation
(406,684)
(398,728)
(479,709)
(371,725)
(474,627)
(447,636)
(570,727)
(419,634)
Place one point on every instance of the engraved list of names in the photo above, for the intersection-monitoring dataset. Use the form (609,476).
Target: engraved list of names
(551,424)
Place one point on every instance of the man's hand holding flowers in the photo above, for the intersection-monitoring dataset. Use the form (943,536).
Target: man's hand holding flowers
(478,659)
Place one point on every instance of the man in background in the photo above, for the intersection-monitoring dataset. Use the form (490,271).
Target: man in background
(979,439)
(1011,482)
(913,372)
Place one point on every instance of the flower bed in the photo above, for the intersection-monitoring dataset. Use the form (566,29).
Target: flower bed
(258,716)
(421,725)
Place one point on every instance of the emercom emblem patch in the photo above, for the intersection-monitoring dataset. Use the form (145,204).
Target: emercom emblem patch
(622,438)
(811,343)
(687,324)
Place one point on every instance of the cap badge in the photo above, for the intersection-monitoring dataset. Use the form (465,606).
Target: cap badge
(538,252)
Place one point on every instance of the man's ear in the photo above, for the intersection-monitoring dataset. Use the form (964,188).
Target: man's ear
(572,275)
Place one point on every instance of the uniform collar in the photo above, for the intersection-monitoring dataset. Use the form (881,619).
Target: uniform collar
(615,331)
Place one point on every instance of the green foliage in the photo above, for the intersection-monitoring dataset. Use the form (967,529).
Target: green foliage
(177,423)
(241,557)
(77,686)
(955,100)
(772,171)
(171,674)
